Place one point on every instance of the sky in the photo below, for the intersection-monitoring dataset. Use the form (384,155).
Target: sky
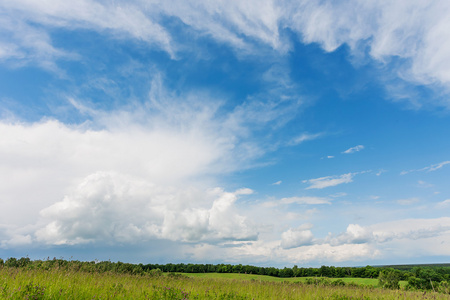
(268,133)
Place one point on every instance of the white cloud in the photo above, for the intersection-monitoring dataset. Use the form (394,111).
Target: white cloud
(431,168)
(415,31)
(111,208)
(377,234)
(424,184)
(326,252)
(400,239)
(408,201)
(353,149)
(305,200)
(303,138)
(121,19)
(445,203)
(436,166)
(328,181)
(355,234)
(412,229)
(244,191)
(412,30)
(298,200)
(297,237)
(380,172)
(338,195)
(277,183)
(154,148)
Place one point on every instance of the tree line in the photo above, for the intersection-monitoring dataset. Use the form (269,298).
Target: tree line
(120,267)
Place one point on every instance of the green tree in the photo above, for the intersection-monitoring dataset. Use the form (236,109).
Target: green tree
(389,279)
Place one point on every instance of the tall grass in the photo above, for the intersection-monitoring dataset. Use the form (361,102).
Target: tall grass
(22,283)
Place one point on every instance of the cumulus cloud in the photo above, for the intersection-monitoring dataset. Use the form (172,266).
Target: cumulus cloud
(296,237)
(413,229)
(328,181)
(111,208)
(357,242)
(353,149)
(326,252)
(355,234)
(11,236)
(163,147)
(407,229)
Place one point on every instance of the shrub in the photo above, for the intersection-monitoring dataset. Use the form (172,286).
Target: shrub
(155,272)
(389,280)
(338,282)
(11,262)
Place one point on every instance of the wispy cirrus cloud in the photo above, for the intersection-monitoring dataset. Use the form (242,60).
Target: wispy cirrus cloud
(303,138)
(353,149)
(408,201)
(298,200)
(443,204)
(33,44)
(431,168)
(328,181)
(411,30)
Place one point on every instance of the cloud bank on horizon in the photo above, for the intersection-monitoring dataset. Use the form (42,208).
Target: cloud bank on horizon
(196,131)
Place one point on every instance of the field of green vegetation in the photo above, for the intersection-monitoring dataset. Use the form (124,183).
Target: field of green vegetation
(16,283)
(233,276)
(60,279)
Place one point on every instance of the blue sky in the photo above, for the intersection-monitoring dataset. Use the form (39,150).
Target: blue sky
(258,132)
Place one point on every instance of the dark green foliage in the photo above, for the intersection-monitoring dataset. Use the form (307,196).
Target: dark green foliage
(155,272)
(32,291)
(338,282)
(12,263)
(428,278)
(389,279)
(285,273)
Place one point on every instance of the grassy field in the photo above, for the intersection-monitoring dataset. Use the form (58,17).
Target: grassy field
(359,281)
(62,284)
(235,276)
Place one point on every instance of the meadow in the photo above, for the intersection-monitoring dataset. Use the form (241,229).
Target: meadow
(233,276)
(66,283)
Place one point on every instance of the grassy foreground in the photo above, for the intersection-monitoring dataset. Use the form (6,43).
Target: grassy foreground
(63,284)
